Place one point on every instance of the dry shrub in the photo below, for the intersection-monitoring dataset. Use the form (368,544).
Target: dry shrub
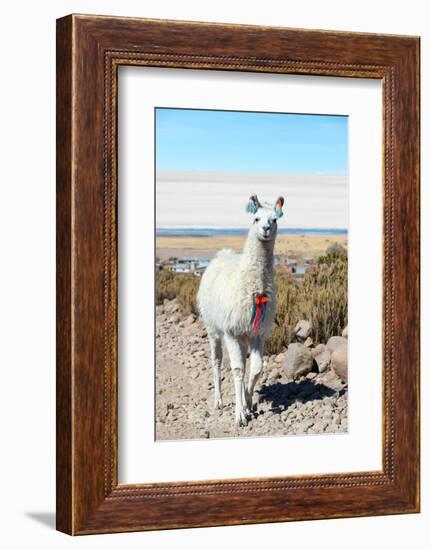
(320,297)
(187,293)
(183,286)
(287,292)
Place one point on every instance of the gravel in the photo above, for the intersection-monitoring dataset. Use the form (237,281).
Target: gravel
(313,404)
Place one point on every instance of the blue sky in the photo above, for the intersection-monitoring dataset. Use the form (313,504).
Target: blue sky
(251,142)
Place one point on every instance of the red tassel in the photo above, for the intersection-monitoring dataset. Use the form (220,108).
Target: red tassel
(259,300)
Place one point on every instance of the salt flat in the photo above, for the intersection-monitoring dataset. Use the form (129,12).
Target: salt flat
(300,245)
(218,199)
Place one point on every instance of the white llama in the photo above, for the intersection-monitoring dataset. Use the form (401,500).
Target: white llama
(236,300)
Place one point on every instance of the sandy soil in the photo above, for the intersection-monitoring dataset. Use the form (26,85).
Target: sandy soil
(314,404)
(301,245)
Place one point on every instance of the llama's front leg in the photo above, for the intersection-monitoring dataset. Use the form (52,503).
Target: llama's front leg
(256,366)
(237,362)
(216,359)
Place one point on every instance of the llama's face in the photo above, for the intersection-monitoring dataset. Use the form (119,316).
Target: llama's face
(265,218)
(265,224)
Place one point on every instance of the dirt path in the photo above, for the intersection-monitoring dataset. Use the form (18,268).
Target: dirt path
(185,408)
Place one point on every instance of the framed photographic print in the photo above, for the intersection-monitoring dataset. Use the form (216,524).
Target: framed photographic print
(237,274)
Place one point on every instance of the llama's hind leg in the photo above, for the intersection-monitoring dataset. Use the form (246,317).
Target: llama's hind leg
(256,366)
(236,349)
(216,360)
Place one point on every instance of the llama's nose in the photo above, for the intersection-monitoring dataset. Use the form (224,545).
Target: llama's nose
(265,228)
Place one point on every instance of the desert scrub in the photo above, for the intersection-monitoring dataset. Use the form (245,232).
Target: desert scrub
(182,286)
(287,292)
(321,298)
(332,257)
(324,298)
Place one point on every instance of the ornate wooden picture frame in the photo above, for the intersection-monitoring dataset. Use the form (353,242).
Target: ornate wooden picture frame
(89,51)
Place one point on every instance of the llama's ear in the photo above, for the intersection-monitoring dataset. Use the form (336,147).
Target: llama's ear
(278,207)
(253,205)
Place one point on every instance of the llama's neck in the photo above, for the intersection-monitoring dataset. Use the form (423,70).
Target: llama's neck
(258,263)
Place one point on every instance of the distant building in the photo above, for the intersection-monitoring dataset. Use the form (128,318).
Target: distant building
(290,268)
(190,265)
(182,268)
(199,272)
(297,270)
(287,264)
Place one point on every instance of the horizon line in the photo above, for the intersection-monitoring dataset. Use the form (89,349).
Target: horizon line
(244,172)
(246,228)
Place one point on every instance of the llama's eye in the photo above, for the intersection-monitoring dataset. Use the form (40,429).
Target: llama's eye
(256,219)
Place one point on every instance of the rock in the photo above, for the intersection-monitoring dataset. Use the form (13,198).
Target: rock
(308,342)
(190,320)
(298,362)
(323,360)
(171,306)
(190,330)
(302,330)
(339,362)
(273,375)
(320,348)
(336,419)
(196,329)
(345,332)
(174,319)
(305,425)
(320,426)
(334,342)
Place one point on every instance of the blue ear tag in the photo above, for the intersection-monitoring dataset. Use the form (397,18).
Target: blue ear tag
(278,212)
(251,208)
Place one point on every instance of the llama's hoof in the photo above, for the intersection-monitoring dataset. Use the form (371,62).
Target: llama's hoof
(218,403)
(240,418)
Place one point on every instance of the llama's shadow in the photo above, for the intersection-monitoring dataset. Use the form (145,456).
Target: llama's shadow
(282,395)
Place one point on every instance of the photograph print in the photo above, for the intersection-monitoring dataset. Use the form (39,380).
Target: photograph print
(251,271)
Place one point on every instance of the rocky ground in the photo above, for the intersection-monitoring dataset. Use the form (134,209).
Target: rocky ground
(312,404)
